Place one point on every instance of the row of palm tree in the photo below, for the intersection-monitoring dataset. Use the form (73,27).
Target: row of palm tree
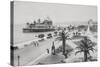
(86,44)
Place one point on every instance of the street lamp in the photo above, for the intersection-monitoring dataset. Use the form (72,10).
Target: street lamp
(53,48)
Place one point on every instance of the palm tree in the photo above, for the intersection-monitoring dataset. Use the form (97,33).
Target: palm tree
(86,46)
(62,37)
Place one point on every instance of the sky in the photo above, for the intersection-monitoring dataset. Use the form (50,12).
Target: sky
(59,13)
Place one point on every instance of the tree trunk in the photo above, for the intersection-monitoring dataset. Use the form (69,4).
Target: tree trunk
(63,45)
(12,55)
(85,56)
(66,56)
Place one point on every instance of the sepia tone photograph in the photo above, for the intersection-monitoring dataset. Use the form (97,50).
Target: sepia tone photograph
(52,33)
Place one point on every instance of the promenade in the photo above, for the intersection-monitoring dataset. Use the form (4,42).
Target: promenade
(32,55)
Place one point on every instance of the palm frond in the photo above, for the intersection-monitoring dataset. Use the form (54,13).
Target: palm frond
(66,33)
(82,46)
(78,52)
(66,37)
(89,41)
(91,45)
(84,43)
(92,49)
(79,48)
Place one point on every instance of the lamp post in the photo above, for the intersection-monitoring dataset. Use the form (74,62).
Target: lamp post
(53,48)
